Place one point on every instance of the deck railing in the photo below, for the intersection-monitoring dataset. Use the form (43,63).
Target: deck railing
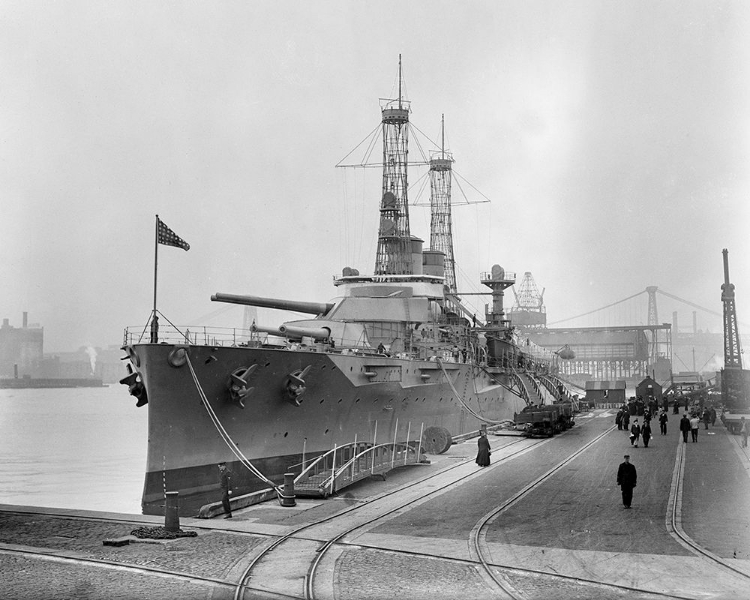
(215,336)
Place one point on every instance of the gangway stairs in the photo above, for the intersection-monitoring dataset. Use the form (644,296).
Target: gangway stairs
(344,465)
(533,394)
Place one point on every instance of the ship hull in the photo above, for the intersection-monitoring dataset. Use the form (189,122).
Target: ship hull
(347,397)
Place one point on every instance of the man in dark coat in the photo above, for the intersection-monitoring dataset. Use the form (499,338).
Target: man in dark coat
(663,422)
(646,433)
(685,427)
(626,479)
(635,433)
(483,454)
(226,489)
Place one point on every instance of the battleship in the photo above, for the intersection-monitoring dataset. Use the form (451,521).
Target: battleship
(395,356)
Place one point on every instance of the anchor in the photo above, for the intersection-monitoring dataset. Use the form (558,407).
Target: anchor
(135,386)
(238,384)
(295,385)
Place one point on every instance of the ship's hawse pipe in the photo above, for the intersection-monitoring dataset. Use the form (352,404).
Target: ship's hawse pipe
(312,308)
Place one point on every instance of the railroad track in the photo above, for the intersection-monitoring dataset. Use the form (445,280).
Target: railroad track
(310,547)
(273,571)
(289,566)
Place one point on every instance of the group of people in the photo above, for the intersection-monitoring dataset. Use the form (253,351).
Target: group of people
(689,425)
(640,432)
(692,423)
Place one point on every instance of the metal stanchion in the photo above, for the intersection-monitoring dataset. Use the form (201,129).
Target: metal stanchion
(171,512)
(288,498)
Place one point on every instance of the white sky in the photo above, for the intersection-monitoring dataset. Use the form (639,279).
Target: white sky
(612,138)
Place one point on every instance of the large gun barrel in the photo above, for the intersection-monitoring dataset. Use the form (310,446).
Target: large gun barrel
(260,329)
(319,333)
(291,331)
(312,308)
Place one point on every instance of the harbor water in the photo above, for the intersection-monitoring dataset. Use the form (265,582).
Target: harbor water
(79,448)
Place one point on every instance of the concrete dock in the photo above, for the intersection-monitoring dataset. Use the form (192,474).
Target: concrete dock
(569,531)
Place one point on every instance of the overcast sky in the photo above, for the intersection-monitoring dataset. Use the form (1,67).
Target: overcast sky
(611,137)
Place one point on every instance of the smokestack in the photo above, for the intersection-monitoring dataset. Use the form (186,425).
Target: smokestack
(695,322)
(675,328)
(25,320)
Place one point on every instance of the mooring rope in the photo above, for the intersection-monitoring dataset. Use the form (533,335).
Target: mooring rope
(225,436)
(458,397)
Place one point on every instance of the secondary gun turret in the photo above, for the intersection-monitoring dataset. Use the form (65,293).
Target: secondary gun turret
(311,308)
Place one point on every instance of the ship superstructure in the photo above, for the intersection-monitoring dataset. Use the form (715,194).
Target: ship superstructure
(390,359)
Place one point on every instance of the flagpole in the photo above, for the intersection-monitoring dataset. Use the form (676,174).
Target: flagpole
(154,321)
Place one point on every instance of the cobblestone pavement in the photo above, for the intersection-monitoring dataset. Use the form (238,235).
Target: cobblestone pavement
(423,553)
(210,554)
(368,574)
(27,578)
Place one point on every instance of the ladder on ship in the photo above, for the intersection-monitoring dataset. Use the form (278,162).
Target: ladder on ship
(344,465)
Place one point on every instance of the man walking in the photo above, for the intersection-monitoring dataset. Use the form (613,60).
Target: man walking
(635,433)
(226,489)
(626,479)
(743,431)
(684,427)
(694,424)
(663,422)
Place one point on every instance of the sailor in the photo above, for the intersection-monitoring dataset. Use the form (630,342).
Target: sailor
(226,489)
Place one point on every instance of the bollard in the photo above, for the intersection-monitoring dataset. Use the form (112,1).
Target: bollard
(171,512)
(288,497)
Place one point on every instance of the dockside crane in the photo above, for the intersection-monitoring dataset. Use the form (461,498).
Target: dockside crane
(733,377)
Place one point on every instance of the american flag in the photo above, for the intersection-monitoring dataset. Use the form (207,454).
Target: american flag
(168,237)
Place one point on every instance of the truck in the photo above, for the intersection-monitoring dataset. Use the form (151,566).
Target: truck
(535,422)
(733,420)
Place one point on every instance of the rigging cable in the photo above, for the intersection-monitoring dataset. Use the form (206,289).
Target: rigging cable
(458,396)
(225,436)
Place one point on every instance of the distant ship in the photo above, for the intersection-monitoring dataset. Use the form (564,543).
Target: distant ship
(396,356)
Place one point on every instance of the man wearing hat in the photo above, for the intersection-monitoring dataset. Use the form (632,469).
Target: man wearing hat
(226,489)
(626,479)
